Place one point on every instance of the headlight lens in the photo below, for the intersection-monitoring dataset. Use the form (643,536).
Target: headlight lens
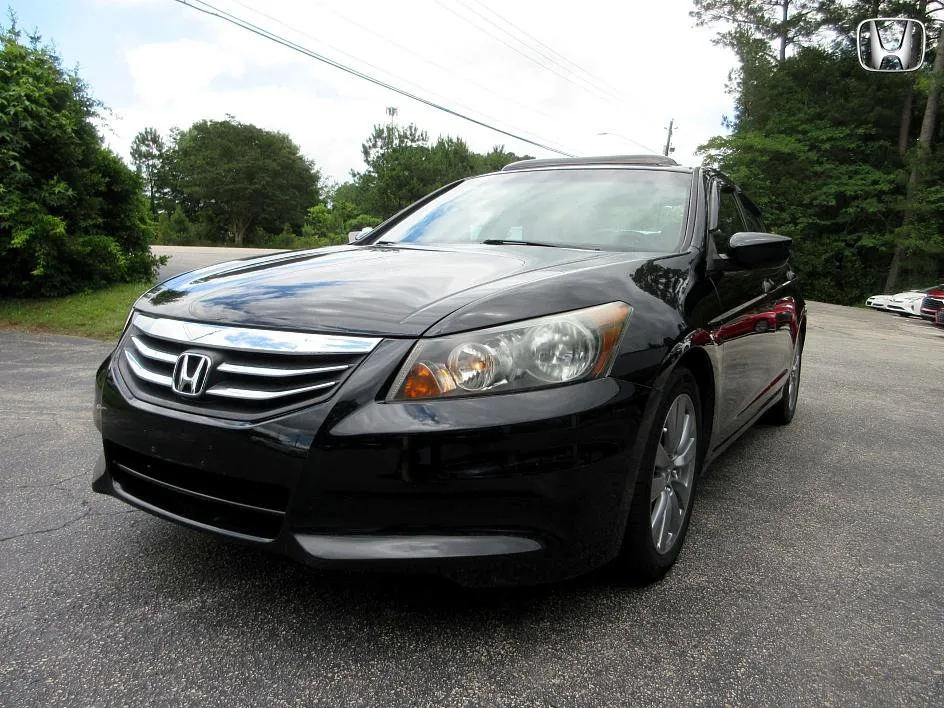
(551,350)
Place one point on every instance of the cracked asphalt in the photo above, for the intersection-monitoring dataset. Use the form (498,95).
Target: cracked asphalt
(812,574)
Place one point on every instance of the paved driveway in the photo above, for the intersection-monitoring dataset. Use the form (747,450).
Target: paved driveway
(812,574)
(180,259)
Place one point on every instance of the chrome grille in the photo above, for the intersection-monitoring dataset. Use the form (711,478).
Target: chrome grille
(251,373)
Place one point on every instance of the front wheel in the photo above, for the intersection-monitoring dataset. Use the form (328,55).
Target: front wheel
(665,485)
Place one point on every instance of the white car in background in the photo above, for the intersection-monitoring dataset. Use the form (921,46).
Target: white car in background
(905,304)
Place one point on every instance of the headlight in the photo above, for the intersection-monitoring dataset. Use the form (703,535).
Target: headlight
(559,349)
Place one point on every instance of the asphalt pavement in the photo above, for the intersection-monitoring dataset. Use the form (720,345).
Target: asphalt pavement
(812,573)
(180,259)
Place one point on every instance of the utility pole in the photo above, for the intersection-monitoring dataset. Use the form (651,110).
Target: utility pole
(668,141)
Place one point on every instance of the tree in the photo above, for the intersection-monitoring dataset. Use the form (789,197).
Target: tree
(402,167)
(71,212)
(496,159)
(397,172)
(147,156)
(811,154)
(783,23)
(921,163)
(243,177)
(823,146)
(221,178)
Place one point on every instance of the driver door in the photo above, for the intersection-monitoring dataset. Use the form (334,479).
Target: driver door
(747,330)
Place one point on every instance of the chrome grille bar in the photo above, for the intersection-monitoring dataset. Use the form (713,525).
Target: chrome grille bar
(151,353)
(146,374)
(277,373)
(250,339)
(252,394)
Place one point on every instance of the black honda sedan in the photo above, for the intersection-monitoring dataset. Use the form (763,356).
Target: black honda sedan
(517,379)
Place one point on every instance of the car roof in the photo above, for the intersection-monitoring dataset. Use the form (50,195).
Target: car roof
(608,160)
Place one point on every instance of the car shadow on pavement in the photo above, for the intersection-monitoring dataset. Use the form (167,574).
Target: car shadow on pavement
(233,582)
(263,595)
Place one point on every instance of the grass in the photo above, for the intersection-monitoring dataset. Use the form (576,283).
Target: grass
(100,314)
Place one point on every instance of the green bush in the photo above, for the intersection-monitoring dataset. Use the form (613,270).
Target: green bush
(320,241)
(72,216)
(175,230)
(362,221)
(285,239)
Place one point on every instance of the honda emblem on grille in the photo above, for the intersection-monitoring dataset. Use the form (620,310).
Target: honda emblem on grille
(190,374)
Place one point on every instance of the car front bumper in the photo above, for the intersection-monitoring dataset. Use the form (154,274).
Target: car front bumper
(509,489)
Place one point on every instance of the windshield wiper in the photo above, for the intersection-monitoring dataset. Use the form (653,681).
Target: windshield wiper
(514,242)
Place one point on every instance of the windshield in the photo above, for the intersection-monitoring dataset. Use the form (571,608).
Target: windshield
(618,209)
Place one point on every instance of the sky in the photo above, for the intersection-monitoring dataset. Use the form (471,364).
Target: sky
(558,73)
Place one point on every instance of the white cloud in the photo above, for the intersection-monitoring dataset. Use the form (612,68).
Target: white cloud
(164,72)
(649,54)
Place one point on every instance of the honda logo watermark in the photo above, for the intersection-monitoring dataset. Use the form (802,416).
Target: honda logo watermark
(190,374)
(891,44)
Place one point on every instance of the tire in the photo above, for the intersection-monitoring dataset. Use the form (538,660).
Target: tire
(782,413)
(649,552)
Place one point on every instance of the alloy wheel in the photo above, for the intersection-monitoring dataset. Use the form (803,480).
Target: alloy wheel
(673,474)
(793,384)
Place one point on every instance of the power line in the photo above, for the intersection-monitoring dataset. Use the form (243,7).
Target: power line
(430,62)
(629,140)
(552,69)
(603,84)
(358,60)
(208,9)
(586,85)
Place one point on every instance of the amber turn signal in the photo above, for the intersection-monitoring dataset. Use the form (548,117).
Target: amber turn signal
(610,320)
(423,382)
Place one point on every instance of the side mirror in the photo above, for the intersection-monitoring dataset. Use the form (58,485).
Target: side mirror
(353,236)
(750,249)
(891,44)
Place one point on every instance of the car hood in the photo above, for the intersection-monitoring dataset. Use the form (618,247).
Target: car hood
(380,290)
(909,295)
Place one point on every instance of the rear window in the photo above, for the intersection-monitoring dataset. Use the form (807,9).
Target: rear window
(618,209)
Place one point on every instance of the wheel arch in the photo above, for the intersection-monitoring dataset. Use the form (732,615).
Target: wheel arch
(703,360)
(699,363)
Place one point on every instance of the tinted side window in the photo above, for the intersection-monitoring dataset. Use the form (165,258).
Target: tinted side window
(755,221)
(729,221)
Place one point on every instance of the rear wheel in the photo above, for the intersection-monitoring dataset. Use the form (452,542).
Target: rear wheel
(783,412)
(665,486)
